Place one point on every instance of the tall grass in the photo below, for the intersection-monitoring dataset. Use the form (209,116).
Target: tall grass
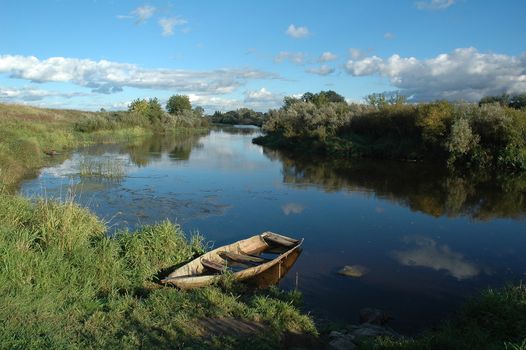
(106,168)
(28,134)
(64,283)
(496,319)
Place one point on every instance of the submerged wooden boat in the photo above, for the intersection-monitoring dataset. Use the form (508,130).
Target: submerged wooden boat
(246,259)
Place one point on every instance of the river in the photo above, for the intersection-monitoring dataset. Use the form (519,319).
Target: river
(427,239)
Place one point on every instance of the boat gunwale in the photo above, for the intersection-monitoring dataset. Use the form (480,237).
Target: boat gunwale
(197,280)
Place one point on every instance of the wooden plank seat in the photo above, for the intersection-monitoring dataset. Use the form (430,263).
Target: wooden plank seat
(243,258)
(213,265)
(197,273)
(279,240)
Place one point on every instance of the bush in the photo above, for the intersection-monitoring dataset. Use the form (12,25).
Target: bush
(66,284)
(435,121)
(489,134)
(178,104)
(461,141)
(242,116)
(306,120)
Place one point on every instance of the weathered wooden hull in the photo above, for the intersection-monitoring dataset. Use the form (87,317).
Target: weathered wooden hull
(193,274)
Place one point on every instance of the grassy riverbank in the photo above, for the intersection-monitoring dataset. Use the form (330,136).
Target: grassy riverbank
(65,284)
(28,135)
(496,319)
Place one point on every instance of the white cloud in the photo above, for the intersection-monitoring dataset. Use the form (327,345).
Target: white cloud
(434,4)
(327,56)
(297,58)
(214,103)
(389,36)
(258,95)
(297,32)
(108,77)
(321,70)
(262,99)
(141,14)
(8,94)
(356,53)
(464,74)
(437,257)
(259,100)
(168,24)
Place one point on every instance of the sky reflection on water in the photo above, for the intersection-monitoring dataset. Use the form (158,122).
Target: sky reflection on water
(427,238)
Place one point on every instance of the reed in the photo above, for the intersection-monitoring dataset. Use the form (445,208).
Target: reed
(114,169)
(65,283)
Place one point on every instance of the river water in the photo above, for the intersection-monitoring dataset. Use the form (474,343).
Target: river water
(425,238)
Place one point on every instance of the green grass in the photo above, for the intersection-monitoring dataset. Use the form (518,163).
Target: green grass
(64,283)
(496,319)
(28,134)
(106,168)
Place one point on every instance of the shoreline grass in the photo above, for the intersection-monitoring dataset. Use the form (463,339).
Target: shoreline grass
(30,136)
(64,283)
(106,168)
(495,319)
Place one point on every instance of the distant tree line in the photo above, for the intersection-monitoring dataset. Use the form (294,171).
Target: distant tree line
(148,113)
(241,116)
(512,101)
(489,134)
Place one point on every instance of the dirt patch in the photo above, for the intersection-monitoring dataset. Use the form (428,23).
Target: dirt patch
(230,327)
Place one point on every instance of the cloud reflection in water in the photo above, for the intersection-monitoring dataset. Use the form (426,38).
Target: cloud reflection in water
(292,208)
(428,253)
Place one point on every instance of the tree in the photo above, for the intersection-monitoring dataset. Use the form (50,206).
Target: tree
(288,101)
(517,101)
(322,98)
(381,100)
(138,106)
(376,100)
(199,111)
(154,111)
(308,97)
(178,103)
(332,96)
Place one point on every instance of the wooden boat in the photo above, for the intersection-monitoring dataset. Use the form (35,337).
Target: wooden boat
(246,259)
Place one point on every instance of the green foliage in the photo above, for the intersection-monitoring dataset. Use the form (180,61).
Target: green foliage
(154,112)
(139,106)
(505,100)
(288,101)
(494,320)
(199,111)
(66,284)
(463,135)
(307,120)
(178,103)
(381,100)
(435,121)
(462,141)
(323,98)
(241,116)
(28,134)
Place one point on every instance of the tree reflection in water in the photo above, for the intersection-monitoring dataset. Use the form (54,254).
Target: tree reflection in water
(422,187)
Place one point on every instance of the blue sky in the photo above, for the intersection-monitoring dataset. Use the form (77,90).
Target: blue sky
(90,54)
